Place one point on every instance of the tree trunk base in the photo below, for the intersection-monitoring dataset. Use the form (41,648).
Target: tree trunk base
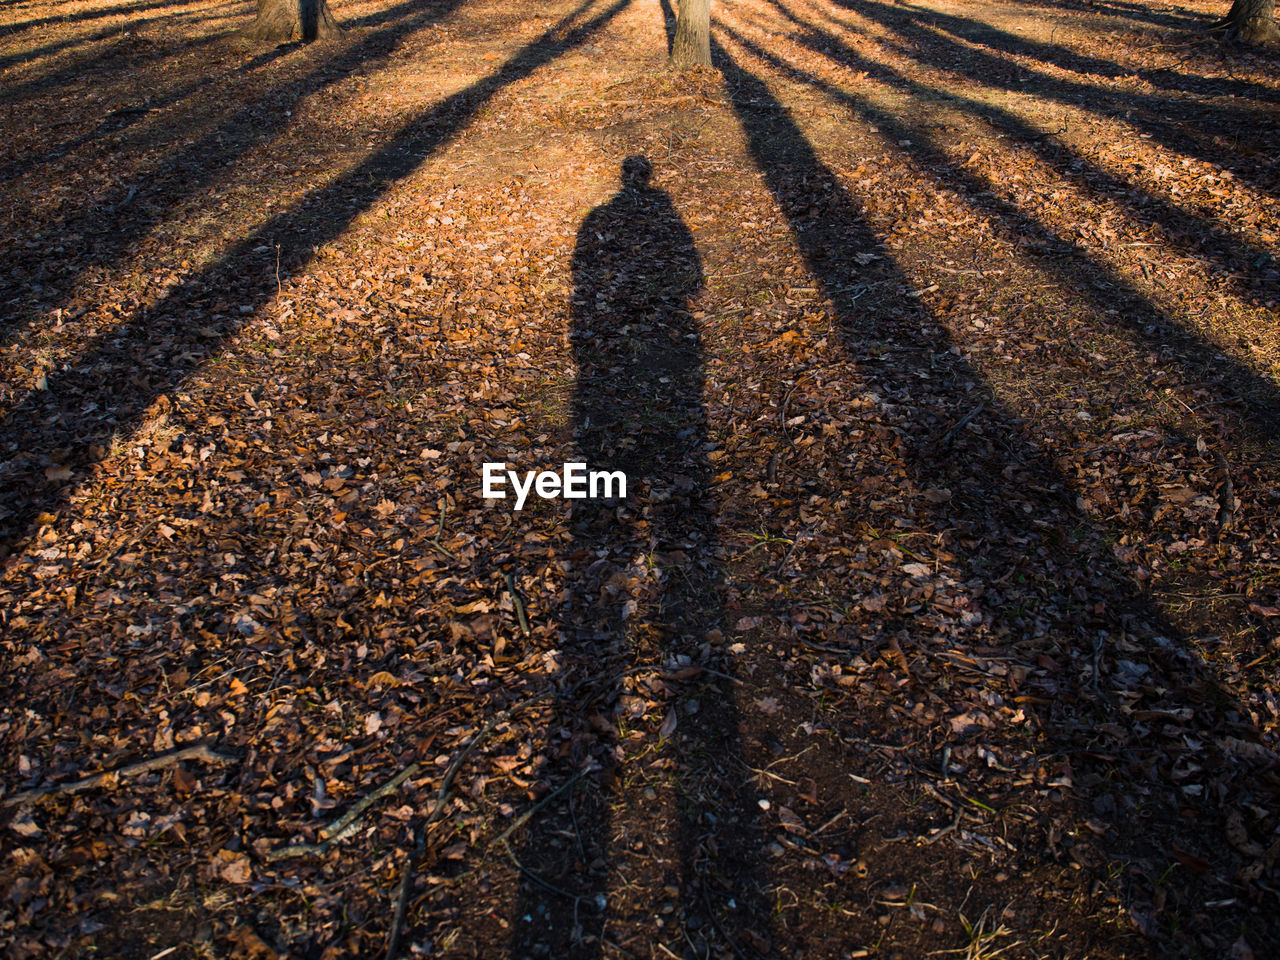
(1248,22)
(286,21)
(692,44)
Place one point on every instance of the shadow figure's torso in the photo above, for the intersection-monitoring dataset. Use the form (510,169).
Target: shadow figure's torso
(638,403)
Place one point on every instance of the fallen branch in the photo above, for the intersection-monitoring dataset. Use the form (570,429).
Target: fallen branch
(345,825)
(197,752)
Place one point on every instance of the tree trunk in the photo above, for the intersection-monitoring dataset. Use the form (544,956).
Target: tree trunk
(1253,21)
(692,45)
(280,21)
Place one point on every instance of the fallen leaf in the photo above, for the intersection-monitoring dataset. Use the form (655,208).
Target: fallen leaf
(233,867)
(668,726)
(769,706)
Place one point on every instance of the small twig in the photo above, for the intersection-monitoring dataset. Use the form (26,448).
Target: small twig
(345,825)
(824,647)
(715,921)
(593,903)
(833,820)
(963,422)
(970,273)
(196,752)
(786,400)
(577,831)
(772,776)
(945,830)
(373,565)
(402,891)
(525,817)
(1227,498)
(794,545)
(518,601)
(712,673)
(128,199)
(339,827)
(435,541)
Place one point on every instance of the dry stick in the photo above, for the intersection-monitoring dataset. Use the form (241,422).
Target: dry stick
(786,400)
(525,817)
(825,648)
(518,601)
(444,512)
(715,921)
(402,891)
(1227,498)
(786,406)
(964,422)
(199,751)
(954,824)
(577,831)
(345,825)
(549,887)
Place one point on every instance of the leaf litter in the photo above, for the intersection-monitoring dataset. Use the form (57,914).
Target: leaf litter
(988,380)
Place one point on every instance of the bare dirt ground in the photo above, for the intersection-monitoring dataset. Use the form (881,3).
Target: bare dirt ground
(939,343)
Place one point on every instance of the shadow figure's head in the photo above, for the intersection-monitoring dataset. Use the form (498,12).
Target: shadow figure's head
(636,171)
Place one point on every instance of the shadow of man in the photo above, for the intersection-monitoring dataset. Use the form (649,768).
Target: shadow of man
(651,842)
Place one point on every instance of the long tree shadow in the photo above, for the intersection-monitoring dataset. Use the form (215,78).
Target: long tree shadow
(941,40)
(669,23)
(125,369)
(1191,232)
(979,33)
(168,94)
(32,54)
(1104,288)
(120,9)
(104,225)
(1003,517)
(121,119)
(1053,54)
(1136,12)
(109,60)
(646,590)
